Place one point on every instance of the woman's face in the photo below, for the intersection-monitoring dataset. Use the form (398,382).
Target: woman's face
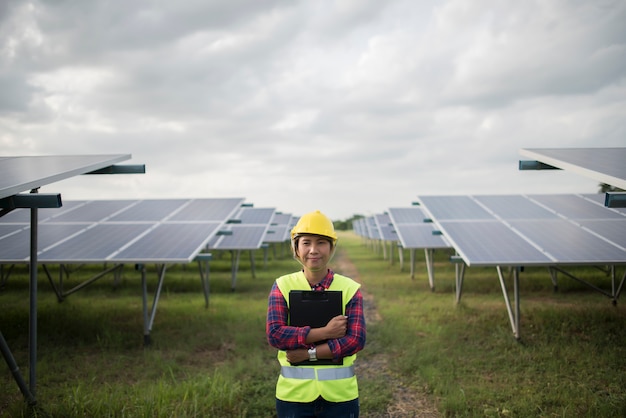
(314,252)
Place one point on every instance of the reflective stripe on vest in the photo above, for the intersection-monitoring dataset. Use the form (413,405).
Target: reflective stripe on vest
(322,374)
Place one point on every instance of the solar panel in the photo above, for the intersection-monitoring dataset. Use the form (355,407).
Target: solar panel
(454,207)
(529,230)
(19,174)
(244,237)
(567,243)
(515,207)
(605,165)
(207,210)
(157,230)
(491,243)
(419,236)
(150,210)
(575,207)
(279,229)
(261,216)
(412,231)
(94,244)
(172,242)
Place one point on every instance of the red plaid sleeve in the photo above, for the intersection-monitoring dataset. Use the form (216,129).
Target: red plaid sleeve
(279,334)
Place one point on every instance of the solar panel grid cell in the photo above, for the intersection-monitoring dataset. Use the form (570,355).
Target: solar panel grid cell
(454,208)
(575,207)
(570,244)
(173,242)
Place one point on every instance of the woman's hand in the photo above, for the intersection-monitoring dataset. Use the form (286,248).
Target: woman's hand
(298,355)
(336,327)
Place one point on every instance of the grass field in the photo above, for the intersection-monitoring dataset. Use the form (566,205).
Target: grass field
(215,361)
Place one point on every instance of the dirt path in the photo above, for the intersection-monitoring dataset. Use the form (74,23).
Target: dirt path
(407,402)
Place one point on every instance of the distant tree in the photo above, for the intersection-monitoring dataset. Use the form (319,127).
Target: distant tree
(346,225)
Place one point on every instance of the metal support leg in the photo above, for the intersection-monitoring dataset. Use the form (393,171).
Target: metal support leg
(203,267)
(149,321)
(32,329)
(401,257)
(15,371)
(514,316)
(429,255)
(459,277)
(236,254)
(252,264)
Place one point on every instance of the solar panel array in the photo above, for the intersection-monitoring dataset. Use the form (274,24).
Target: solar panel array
(516,230)
(122,231)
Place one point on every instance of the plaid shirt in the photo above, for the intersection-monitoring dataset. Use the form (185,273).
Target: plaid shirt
(285,337)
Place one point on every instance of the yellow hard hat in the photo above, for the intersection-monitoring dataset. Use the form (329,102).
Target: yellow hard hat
(315,223)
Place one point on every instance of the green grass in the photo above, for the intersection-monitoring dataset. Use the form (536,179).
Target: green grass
(216,362)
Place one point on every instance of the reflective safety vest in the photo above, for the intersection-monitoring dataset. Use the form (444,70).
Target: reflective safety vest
(306,383)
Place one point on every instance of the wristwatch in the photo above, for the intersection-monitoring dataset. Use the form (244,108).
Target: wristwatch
(313,354)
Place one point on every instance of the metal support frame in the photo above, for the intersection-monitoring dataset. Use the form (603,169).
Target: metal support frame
(58,290)
(429,255)
(514,315)
(205,272)
(234,268)
(401,256)
(32,201)
(613,294)
(149,321)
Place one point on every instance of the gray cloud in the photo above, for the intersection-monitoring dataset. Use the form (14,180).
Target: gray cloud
(347,106)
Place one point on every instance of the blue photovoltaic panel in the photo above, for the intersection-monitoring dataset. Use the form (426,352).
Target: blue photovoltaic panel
(372,229)
(534,229)
(94,244)
(256,215)
(599,198)
(279,233)
(244,237)
(575,207)
(611,229)
(412,231)
(19,174)
(98,231)
(515,207)
(208,210)
(453,208)
(409,215)
(149,210)
(385,227)
(43,214)
(7,230)
(93,211)
(172,242)
(570,244)
(16,248)
(388,233)
(491,243)
(419,236)
(603,164)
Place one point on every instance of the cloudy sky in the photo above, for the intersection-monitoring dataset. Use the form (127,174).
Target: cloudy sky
(347,106)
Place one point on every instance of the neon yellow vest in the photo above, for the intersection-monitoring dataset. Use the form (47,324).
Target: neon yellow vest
(307,383)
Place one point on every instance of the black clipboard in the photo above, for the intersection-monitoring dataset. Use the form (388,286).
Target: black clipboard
(314,309)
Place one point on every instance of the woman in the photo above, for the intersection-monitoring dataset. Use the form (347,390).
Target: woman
(311,390)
